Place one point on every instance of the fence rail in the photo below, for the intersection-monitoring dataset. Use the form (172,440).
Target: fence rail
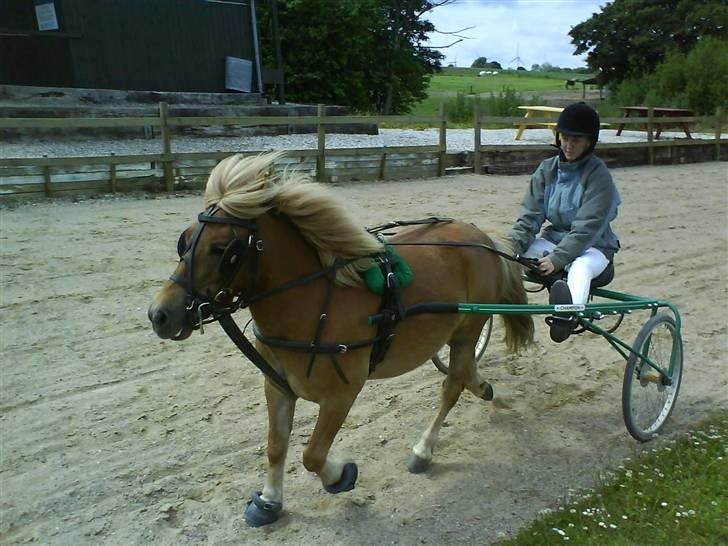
(170,170)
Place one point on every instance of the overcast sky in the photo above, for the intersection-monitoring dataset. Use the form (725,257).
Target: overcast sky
(536,31)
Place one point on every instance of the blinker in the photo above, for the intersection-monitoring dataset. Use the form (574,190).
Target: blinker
(181,245)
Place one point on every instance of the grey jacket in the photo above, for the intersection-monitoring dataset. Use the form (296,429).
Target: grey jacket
(579,200)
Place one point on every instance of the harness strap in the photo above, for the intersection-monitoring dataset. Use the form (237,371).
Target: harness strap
(323,318)
(307,347)
(298,282)
(392,310)
(247,348)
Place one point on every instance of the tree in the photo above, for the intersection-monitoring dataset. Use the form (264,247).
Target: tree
(697,80)
(480,62)
(629,38)
(366,54)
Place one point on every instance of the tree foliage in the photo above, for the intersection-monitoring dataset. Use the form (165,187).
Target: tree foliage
(697,80)
(366,54)
(480,62)
(629,38)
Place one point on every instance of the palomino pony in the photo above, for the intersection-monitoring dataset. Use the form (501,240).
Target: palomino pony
(289,251)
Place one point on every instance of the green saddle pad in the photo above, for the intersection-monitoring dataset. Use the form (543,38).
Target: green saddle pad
(374,277)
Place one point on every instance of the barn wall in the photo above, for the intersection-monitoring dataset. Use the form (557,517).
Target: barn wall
(159,45)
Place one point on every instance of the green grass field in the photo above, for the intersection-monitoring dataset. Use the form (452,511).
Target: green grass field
(673,495)
(466,80)
(445,86)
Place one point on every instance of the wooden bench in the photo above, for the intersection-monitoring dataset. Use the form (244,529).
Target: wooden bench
(659,116)
(549,111)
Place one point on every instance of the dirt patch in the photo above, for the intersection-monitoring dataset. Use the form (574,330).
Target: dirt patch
(112,436)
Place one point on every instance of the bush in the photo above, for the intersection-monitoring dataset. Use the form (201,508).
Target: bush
(505,103)
(697,80)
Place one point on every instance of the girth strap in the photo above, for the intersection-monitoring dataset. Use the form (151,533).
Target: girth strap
(247,348)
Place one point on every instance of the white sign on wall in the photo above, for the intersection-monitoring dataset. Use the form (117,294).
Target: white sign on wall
(238,74)
(45,13)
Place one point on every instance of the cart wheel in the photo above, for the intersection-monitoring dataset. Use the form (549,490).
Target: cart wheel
(647,395)
(441,359)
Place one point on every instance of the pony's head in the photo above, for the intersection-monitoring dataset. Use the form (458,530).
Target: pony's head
(220,254)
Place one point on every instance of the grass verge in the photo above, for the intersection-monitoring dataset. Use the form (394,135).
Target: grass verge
(673,495)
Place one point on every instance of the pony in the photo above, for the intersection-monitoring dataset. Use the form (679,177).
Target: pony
(289,250)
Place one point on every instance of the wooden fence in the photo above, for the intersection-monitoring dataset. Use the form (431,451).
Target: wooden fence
(170,171)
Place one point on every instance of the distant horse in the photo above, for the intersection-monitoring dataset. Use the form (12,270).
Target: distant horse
(290,251)
(569,84)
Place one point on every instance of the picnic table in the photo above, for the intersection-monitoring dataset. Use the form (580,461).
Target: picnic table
(549,111)
(642,111)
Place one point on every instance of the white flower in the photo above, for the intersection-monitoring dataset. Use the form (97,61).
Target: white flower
(559,531)
(663,504)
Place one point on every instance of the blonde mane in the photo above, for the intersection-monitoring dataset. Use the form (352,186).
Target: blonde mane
(247,187)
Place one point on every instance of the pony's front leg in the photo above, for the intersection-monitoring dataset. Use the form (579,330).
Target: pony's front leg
(336,475)
(264,508)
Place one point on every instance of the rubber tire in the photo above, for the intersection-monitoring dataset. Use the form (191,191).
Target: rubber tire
(632,369)
(480,347)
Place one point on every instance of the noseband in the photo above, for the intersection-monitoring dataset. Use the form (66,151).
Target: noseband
(236,253)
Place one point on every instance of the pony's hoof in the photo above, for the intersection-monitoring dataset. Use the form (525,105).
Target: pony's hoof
(260,512)
(487,389)
(417,465)
(347,480)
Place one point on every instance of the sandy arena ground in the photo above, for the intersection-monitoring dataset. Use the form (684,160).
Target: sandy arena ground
(112,436)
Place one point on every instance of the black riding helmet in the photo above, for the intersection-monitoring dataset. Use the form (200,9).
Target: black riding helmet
(579,119)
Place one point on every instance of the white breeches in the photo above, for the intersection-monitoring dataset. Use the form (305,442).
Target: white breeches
(581,271)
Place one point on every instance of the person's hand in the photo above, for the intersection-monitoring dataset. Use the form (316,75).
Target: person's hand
(545,266)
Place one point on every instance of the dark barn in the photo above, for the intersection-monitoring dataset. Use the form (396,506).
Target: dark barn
(154,45)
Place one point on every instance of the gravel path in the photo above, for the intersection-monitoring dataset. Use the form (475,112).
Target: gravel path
(457,140)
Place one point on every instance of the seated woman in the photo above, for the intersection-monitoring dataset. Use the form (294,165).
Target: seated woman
(575,192)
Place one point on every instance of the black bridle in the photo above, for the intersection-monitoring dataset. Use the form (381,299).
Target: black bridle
(208,307)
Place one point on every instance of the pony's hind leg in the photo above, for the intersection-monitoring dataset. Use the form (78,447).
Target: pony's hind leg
(458,377)
(265,507)
(336,475)
(466,369)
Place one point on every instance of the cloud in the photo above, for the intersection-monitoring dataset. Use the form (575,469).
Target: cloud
(536,31)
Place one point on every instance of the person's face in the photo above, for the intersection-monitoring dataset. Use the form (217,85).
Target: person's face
(573,146)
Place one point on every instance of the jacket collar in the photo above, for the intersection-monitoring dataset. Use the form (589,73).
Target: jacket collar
(573,165)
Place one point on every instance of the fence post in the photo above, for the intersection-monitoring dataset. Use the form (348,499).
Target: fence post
(112,172)
(650,143)
(477,165)
(166,147)
(383,163)
(47,178)
(443,141)
(718,113)
(321,156)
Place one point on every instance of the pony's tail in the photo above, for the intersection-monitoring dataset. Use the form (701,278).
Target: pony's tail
(519,328)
